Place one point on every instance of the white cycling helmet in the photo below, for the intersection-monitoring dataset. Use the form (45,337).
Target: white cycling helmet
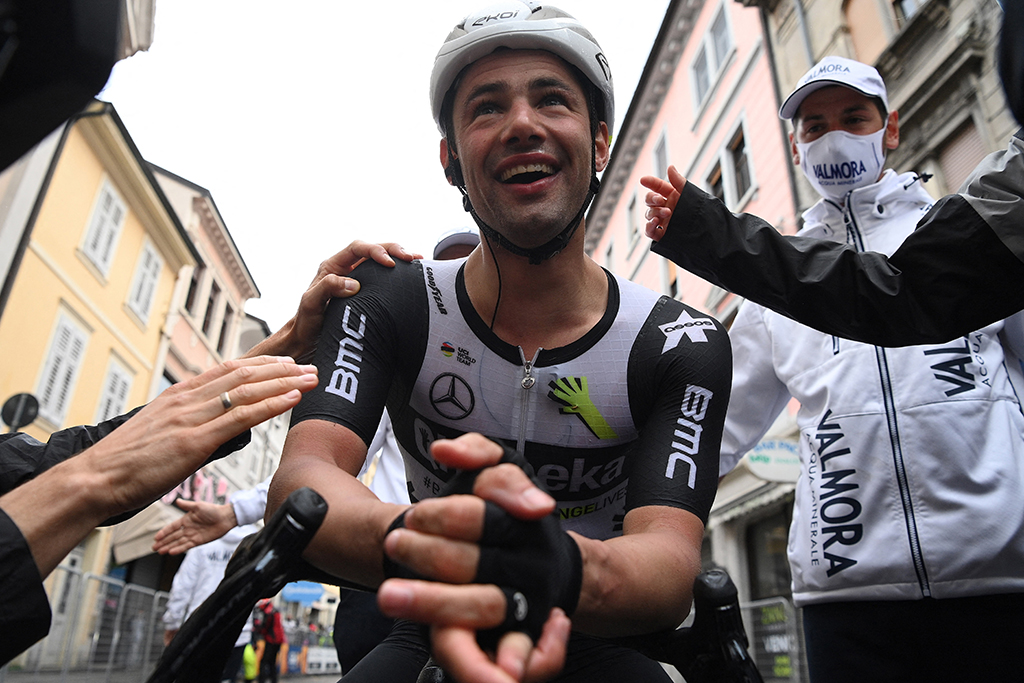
(520,26)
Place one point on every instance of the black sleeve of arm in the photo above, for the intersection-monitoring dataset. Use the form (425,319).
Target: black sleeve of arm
(23,458)
(364,341)
(24,608)
(953,275)
(683,396)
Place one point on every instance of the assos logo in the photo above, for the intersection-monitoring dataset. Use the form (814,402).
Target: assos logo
(685,326)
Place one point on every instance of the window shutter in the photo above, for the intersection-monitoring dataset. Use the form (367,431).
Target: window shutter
(147,274)
(61,370)
(115,392)
(104,228)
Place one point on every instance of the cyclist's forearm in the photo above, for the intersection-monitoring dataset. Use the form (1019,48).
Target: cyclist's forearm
(640,582)
(349,543)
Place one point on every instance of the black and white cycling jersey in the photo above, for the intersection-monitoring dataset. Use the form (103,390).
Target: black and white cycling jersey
(629,415)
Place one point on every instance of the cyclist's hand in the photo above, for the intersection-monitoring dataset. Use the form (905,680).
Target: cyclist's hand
(661,201)
(440,540)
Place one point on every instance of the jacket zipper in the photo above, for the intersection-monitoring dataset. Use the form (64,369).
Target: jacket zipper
(892,424)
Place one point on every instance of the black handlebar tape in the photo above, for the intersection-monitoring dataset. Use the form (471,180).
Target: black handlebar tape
(259,568)
(714,649)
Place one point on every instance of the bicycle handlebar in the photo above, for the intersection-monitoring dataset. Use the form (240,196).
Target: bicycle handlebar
(259,568)
(714,649)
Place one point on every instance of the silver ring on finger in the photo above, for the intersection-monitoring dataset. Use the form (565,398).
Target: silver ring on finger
(225,400)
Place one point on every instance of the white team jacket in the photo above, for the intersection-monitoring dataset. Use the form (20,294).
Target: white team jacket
(200,574)
(912,459)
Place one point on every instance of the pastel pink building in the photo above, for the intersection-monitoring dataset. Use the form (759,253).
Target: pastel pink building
(706,103)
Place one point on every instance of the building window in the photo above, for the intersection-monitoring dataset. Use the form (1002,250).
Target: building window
(905,9)
(721,39)
(115,391)
(193,289)
(211,307)
(712,55)
(716,187)
(632,225)
(766,551)
(731,178)
(225,330)
(740,164)
(661,157)
(609,255)
(147,275)
(166,381)
(104,228)
(60,371)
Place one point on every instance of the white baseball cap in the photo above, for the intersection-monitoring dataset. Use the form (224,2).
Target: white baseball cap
(835,71)
(468,236)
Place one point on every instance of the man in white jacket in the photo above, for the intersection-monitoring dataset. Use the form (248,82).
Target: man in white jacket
(907,541)
(199,575)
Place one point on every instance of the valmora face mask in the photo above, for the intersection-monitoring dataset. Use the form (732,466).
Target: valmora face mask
(838,162)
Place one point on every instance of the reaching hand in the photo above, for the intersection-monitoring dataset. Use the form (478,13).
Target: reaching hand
(442,539)
(152,452)
(170,438)
(297,337)
(203,522)
(661,201)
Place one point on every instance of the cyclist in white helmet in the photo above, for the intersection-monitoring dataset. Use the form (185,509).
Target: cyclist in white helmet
(614,396)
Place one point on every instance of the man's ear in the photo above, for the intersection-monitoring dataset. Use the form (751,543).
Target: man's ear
(892,130)
(445,160)
(602,146)
(793,150)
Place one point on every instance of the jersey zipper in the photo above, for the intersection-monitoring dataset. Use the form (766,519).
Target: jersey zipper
(893,428)
(526,382)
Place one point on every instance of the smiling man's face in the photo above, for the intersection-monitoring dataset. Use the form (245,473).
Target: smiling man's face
(522,134)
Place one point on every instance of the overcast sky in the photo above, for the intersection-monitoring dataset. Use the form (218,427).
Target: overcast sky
(309,123)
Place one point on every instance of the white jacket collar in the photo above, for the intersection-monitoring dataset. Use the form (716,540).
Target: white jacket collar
(891,196)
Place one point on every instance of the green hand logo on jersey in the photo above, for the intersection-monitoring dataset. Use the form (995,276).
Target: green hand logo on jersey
(572,393)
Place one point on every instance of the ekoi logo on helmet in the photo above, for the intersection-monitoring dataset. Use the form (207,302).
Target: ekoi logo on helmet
(500,16)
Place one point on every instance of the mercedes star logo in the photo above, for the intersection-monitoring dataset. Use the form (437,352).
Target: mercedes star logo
(451,396)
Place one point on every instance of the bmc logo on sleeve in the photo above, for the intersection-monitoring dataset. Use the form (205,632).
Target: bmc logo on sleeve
(687,434)
(345,379)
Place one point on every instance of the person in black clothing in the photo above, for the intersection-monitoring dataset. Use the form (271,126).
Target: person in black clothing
(962,269)
(53,494)
(613,395)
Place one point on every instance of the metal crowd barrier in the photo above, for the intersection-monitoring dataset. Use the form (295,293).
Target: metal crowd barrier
(103,631)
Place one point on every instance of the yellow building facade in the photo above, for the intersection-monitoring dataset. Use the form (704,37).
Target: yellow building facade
(86,298)
(81,324)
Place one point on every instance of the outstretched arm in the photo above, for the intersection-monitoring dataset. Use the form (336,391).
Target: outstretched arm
(962,269)
(151,453)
